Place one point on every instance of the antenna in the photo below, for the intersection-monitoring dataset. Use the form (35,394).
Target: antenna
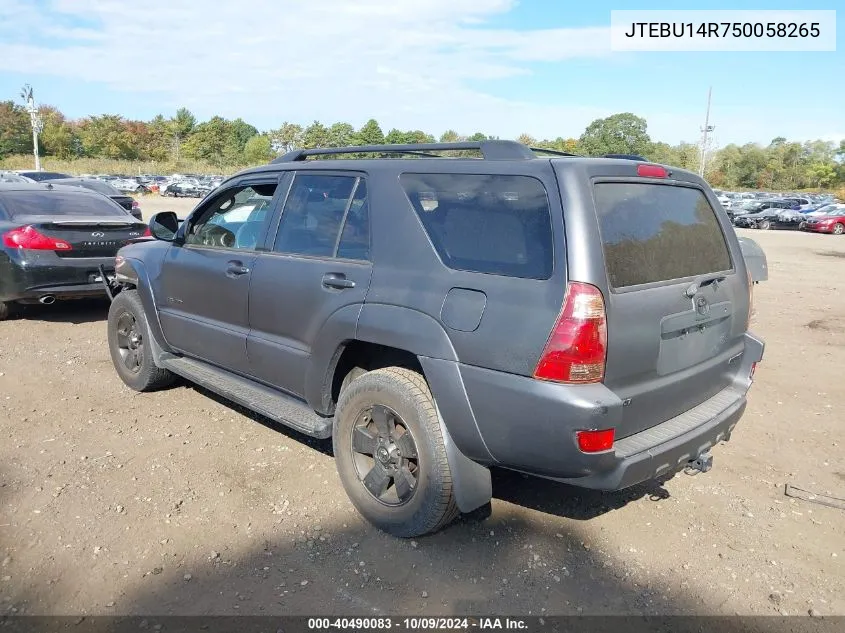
(705,131)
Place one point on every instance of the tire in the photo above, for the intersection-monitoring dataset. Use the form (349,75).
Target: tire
(838,228)
(131,356)
(398,401)
(5,310)
(764,225)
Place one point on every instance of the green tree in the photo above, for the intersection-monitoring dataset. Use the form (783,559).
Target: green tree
(181,126)
(371,134)
(450,136)
(208,141)
(315,135)
(15,130)
(57,136)
(822,174)
(395,137)
(623,133)
(107,136)
(258,150)
(158,142)
(341,135)
(286,138)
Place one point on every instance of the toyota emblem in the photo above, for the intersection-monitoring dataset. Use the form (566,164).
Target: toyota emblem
(98,234)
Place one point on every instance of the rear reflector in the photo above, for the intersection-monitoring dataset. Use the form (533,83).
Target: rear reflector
(577,347)
(27,237)
(652,171)
(595,441)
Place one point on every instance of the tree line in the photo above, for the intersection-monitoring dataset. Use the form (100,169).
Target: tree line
(226,144)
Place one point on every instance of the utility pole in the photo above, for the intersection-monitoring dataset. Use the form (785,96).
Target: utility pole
(705,131)
(34,120)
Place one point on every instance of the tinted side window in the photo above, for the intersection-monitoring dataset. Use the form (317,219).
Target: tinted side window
(492,224)
(657,233)
(313,214)
(355,239)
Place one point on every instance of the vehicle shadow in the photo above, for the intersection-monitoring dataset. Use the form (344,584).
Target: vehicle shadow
(567,501)
(535,493)
(523,570)
(76,312)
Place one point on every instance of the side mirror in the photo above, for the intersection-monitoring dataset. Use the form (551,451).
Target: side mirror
(163,225)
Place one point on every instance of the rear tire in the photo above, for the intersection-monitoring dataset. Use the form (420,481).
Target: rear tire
(128,345)
(5,310)
(408,490)
(765,225)
(838,228)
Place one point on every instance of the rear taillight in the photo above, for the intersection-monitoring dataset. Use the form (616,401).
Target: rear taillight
(577,347)
(27,237)
(595,441)
(147,232)
(651,171)
(753,369)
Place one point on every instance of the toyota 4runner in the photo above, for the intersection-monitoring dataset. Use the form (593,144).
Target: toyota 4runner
(579,319)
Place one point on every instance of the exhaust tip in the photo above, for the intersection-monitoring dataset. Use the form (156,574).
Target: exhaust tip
(47,300)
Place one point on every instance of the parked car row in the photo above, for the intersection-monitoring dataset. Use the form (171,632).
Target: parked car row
(781,214)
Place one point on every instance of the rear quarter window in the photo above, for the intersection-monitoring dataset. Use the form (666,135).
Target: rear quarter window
(485,223)
(652,233)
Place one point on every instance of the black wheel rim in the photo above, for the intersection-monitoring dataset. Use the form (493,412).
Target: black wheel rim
(130,343)
(385,456)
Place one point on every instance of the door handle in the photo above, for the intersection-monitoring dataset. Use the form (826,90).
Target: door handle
(236,269)
(337,280)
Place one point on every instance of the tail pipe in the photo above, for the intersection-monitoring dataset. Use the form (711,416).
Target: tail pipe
(47,300)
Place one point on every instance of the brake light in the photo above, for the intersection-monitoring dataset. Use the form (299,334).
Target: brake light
(595,441)
(27,237)
(651,171)
(577,347)
(147,232)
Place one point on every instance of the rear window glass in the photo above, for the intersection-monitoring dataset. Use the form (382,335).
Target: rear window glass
(657,233)
(20,203)
(493,224)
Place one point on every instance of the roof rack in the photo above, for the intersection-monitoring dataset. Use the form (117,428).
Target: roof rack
(627,157)
(553,152)
(490,150)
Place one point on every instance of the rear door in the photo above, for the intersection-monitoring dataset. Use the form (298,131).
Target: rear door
(318,264)
(677,302)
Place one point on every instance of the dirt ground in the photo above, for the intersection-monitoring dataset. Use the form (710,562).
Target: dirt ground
(176,502)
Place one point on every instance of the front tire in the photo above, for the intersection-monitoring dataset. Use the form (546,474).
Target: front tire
(129,347)
(765,225)
(390,453)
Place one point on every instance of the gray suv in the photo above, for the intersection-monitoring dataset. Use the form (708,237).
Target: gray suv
(579,319)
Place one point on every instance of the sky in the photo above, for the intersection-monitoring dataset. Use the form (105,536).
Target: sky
(501,67)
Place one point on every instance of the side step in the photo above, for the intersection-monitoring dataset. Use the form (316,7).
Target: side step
(268,402)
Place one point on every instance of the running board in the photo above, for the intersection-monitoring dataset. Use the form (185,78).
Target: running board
(268,402)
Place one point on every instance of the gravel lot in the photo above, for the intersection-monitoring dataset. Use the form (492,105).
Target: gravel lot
(113,502)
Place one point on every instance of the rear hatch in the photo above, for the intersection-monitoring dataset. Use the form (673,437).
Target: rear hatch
(677,303)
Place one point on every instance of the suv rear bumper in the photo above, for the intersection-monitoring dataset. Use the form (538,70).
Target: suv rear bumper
(530,425)
(29,276)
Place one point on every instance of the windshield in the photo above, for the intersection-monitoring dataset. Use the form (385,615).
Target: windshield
(64,203)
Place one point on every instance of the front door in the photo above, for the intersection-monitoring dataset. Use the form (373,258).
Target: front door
(319,264)
(203,294)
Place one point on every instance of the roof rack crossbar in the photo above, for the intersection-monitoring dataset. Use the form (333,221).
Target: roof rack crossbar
(490,150)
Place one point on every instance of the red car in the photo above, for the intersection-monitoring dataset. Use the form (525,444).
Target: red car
(831,222)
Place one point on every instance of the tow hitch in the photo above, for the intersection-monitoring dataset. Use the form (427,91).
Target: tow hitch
(702,464)
(112,287)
